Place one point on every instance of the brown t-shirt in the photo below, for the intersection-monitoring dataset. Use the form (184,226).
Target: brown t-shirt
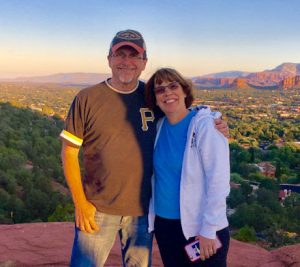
(117,133)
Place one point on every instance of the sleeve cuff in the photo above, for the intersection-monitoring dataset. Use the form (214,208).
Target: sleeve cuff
(216,114)
(208,231)
(71,138)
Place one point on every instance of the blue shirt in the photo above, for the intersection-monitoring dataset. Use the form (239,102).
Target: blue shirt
(168,157)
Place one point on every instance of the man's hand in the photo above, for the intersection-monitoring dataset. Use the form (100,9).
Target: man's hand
(208,247)
(85,218)
(222,127)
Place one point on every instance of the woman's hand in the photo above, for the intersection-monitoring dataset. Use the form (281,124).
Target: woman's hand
(208,247)
(222,127)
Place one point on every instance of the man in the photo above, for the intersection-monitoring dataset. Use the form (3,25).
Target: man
(116,130)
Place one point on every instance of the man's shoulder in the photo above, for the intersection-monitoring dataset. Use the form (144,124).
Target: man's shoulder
(91,90)
(141,85)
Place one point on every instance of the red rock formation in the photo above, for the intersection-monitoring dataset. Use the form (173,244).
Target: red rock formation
(241,83)
(226,82)
(49,244)
(268,79)
(290,82)
(210,82)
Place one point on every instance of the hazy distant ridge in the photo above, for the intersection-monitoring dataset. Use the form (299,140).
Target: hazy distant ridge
(284,76)
(66,78)
(226,74)
(292,68)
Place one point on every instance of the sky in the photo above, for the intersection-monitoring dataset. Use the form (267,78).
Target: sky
(197,37)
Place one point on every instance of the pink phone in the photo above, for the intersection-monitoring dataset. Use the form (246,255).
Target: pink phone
(193,249)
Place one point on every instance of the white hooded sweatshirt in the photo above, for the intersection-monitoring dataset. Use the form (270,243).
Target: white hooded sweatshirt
(205,178)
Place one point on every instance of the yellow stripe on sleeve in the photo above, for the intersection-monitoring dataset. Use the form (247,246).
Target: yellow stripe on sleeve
(71,138)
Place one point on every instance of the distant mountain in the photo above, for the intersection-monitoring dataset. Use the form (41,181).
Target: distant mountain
(77,78)
(226,74)
(291,68)
(283,76)
(274,76)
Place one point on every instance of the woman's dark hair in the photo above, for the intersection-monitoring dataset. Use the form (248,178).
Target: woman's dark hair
(171,75)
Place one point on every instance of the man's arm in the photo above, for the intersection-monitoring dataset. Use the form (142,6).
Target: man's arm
(84,210)
(222,127)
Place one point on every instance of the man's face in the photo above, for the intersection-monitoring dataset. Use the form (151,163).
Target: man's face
(127,65)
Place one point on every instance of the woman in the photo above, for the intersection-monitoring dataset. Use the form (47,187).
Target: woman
(191,175)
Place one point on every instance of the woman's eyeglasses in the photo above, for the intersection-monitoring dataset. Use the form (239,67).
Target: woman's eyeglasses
(159,90)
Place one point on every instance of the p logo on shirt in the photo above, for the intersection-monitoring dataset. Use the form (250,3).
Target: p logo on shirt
(147,115)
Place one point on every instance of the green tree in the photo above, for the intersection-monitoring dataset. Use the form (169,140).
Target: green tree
(246,234)
(246,190)
(11,158)
(236,178)
(269,199)
(276,236)
(270,184)
(235,198)
(251,215)
(246,169)
(257,176)
(7,182)
(62,214)
(36,203)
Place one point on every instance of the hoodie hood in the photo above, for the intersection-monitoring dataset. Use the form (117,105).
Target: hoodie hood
(204,112)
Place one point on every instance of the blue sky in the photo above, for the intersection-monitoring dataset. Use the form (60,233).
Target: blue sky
(197,37)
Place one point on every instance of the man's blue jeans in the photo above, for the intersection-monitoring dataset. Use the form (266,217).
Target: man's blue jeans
(93,249)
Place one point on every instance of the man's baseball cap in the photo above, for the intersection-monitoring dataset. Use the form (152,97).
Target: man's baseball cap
(128,37)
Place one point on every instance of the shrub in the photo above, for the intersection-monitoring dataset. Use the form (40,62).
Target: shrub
(246,234)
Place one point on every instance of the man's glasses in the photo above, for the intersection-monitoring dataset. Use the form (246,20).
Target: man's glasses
(131,57)
(159,90)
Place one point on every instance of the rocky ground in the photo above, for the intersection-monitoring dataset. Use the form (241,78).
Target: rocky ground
(49,244)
